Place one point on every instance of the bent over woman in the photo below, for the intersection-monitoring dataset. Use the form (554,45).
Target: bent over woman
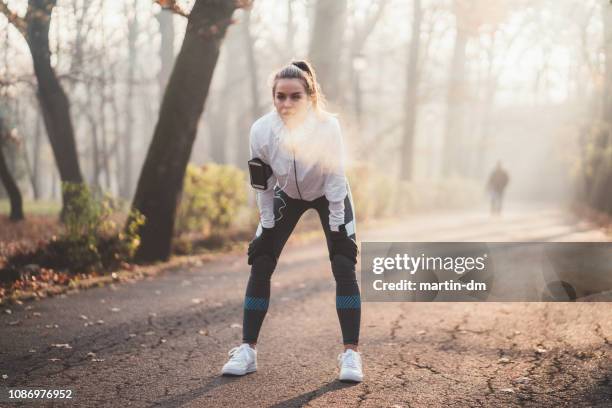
(299,150)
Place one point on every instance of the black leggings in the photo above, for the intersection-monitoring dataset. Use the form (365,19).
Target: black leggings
(287,212)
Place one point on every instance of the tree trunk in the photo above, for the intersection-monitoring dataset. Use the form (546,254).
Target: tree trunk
(455,107)
(326,45)
(601,163)
(9,182)
(36,160)
(486,125)
(11,189)
(291,30)
(53,101)
(128,156)
(219,114)
(410,101)
(95,147)
(244,122)
(251,63)
(161,179)
(165,18)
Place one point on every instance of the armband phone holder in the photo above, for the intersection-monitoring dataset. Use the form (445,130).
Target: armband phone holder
(260,172)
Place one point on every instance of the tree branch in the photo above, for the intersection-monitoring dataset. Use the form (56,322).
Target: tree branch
(171,6)
(18,22)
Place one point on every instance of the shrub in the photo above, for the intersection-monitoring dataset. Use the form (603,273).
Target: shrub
(371,190)
(212,196)
(91,239)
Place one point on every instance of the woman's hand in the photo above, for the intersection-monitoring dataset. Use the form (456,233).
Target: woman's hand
(262,245)
(341,244)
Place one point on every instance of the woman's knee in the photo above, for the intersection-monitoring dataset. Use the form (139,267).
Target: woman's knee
(263,266)
(343,268)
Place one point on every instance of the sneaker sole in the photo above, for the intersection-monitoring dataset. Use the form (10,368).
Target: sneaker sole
(351,379)
(237,373)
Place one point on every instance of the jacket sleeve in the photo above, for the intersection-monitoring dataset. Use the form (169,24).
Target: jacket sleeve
(335,181)
(265,198)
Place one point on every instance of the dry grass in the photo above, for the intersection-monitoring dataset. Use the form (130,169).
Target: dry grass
(27,235)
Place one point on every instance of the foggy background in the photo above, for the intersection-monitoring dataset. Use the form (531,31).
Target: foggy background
(518,81)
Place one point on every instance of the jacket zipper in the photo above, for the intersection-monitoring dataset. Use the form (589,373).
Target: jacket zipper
(295,173)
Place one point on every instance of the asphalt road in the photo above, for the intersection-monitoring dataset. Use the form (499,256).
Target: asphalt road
(162,341)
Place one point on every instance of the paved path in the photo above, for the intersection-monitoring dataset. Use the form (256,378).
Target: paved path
(163,340)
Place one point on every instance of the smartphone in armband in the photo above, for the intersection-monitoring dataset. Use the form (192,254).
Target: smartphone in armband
(260,172)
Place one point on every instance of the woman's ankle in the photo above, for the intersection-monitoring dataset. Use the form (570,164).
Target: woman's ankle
(353,347)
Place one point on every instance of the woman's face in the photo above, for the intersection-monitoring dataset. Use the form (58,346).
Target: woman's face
(290,100)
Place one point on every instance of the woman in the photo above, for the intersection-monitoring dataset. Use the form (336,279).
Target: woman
(302,144)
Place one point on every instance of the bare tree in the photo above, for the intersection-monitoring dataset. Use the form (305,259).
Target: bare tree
(161,178)
(125,188)
(34,27)
(361,33)
(326,44)
(601,180)
(165,18)
(455,99)
(410,98)
(10,185)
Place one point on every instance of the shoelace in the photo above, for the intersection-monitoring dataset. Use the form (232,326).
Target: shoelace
(349,360)
(235,354)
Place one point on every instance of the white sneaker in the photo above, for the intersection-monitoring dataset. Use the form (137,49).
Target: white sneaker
(350,366)
(243,360)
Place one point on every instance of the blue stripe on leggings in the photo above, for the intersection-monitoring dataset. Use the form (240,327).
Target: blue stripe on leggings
(255,303)
(348,302)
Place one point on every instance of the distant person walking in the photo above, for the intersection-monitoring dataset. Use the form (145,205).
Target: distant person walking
(498,180)
(297,164)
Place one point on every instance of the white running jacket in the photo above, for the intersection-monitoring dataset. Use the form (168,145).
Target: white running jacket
(318,150)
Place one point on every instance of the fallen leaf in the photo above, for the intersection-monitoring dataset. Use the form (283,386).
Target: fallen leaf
(61,345)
